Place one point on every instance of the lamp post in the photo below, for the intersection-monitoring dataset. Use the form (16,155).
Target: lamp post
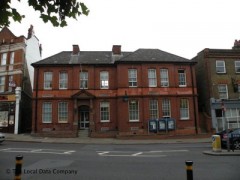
(226,125)
(18,98)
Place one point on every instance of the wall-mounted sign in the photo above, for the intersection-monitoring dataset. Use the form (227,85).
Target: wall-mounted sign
(12,84)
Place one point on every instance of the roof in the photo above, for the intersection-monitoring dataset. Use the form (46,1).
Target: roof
(106,57)
(153,55)
(7,33)
(84,57)
(220,52)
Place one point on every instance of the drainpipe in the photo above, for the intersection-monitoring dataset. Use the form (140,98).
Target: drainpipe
(194,100)
(36,103)
(18,98)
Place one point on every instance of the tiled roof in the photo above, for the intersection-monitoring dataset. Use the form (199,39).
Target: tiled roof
(84,57)
(106,57)
(153,55)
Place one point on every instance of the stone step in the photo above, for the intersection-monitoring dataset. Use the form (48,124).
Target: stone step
(83,133)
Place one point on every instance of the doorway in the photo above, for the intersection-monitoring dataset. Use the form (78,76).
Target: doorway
(83,117)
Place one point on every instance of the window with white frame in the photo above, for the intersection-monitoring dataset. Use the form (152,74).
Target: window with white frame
(62,112)
(223,91)
(220,66)
(83,80)
(47,112)
(182,78)
(4,59)
(166,108)
(184,109)
(10,67)
(12,58)
(104,79)
(164,78)
(153,108)
(132,78)
(63,80)
(232,115)
(133,110)
(237,66)
(2,83)
(152,78)
(47,80)
(104,111)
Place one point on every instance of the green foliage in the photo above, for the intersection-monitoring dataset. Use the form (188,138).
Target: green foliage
(54,11)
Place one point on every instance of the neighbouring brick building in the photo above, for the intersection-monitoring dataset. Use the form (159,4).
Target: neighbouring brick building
(218,82)
(15,84)
(113,93)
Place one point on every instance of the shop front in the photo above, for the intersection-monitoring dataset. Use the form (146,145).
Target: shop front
(7,113)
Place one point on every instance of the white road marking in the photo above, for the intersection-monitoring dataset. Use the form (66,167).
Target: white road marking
(69,152)
(138,154)
(169,151)
(102,153)
(35,150)
(31,150)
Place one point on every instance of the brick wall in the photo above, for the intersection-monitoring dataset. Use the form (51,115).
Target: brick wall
(118,84)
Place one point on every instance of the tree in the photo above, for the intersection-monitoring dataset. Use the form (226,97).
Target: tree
(54,11)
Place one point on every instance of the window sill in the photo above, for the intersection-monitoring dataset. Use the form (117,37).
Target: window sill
(104,121)
(184,119)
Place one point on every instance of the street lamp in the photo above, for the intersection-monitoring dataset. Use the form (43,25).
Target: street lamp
(227,131)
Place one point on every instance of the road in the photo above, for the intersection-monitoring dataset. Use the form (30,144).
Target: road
(43,161)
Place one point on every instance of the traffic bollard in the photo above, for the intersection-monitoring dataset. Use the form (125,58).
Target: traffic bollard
(189,170)
(18,167)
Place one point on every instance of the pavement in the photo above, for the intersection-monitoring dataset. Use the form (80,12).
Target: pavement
(88,140)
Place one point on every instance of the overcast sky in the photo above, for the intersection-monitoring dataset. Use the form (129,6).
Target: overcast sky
(181,27)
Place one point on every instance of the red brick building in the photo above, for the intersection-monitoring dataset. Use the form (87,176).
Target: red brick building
(113,93)
(15,83)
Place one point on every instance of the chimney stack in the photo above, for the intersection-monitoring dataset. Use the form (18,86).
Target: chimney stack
(236,44)
(76,50)
(116,50)
(40,49)
(30,32)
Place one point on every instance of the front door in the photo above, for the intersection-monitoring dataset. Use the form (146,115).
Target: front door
(83,120)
